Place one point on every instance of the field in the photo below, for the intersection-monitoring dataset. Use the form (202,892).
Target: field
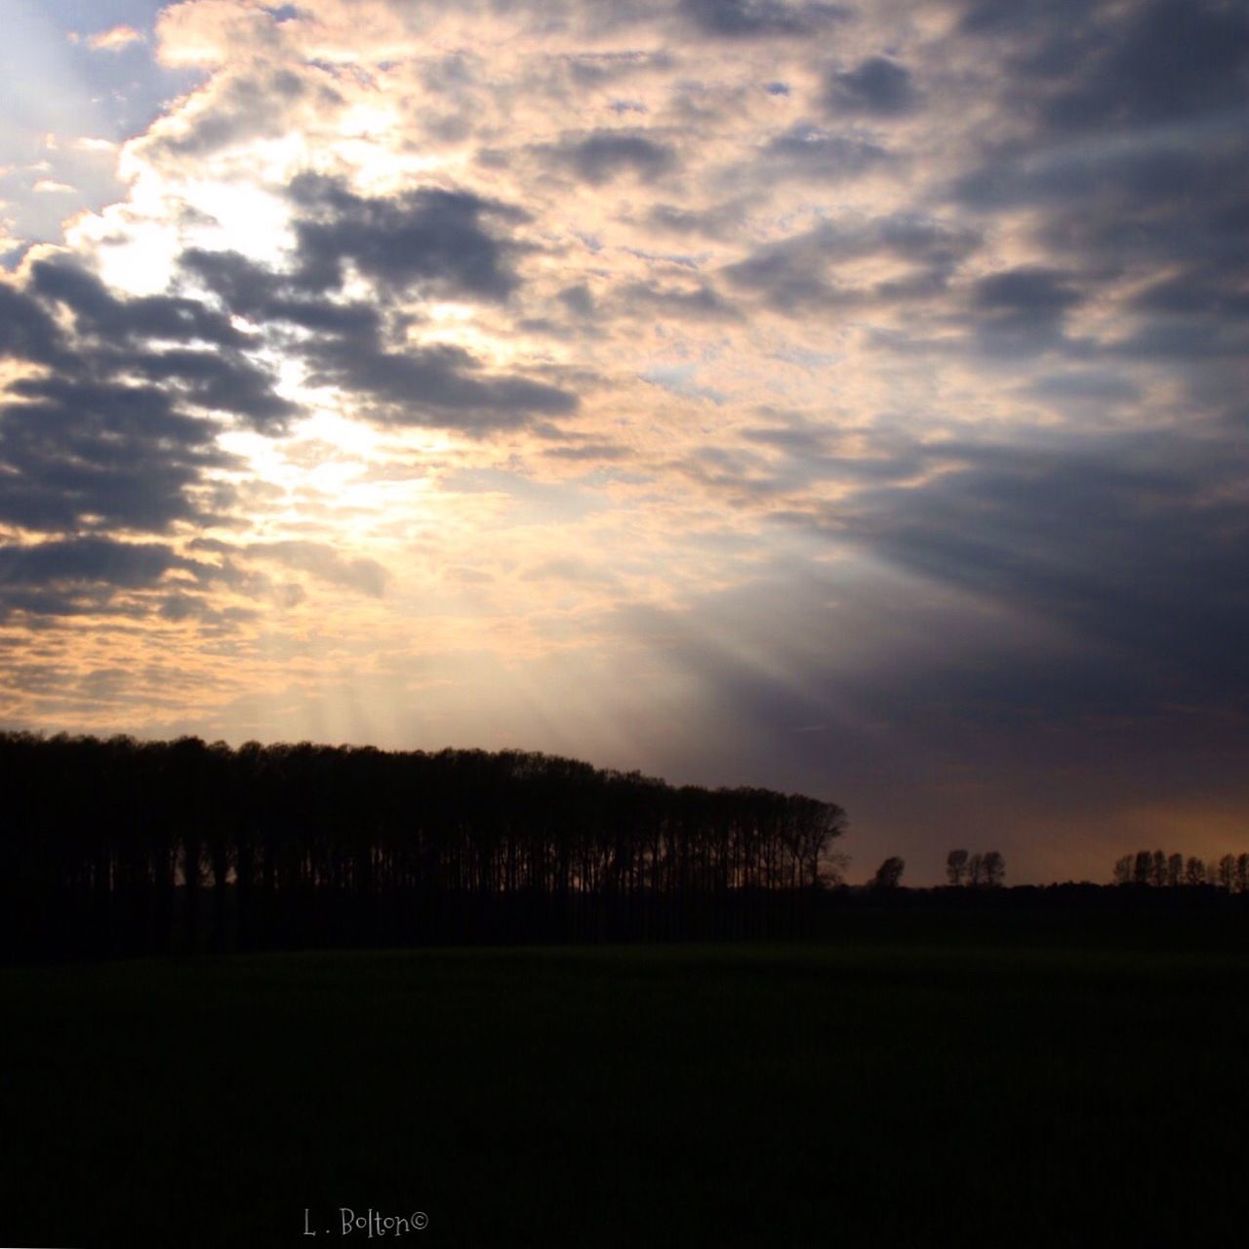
(888,1088)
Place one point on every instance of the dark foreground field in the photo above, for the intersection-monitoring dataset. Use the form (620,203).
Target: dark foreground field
(879,1091)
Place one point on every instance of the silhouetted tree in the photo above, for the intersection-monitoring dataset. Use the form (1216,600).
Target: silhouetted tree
(1227,872)
(1123,870)
(975,869)
(1194,871)
(956,867)
(113,845)
(1175,871)
(1158,869)
(993,865)
(1142,868)
(889,873)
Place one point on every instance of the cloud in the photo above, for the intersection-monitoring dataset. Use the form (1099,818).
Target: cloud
(121,336)
(877,86)
(760,19)
(1021,311)
(27,331)
(436,385)
(428,384)
(795,273)
(431,239)
(808,152)
(73,576)
(110,319)
(706,371)
(607,154)
(115,39)
(81,454)
(365,576)
(1134,542)
(699,302)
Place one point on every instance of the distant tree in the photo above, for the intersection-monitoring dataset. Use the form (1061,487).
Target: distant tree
(889,873)
(956,867)
(1158,869)
(831,870)
(1142,867)
(1227,872)
(993,865)
(1242,873)
(975,869)
(1123,870)
(1175,870)
(1194,871)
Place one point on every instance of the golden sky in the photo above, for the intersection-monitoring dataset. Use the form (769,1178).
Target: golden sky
(839,398)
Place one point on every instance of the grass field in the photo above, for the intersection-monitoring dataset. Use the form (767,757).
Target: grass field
(877,1092)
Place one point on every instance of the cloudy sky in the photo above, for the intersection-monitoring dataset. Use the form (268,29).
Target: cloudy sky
(833,397)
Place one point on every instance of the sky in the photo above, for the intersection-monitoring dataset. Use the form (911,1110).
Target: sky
(848,399)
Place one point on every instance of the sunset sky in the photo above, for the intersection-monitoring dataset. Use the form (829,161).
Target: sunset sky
(845,398)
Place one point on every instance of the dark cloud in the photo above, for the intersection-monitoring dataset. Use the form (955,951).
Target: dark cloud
(431,239)
(79,454)
(27,332)
(252,291)
(578,300)
(179,607)
(1028,292)
(1146,63)
(700,302)
(1100,387)
(809,152)
(230,385)
(1136,543)
(590,451)
(1124,132)
(106,439)
(72,576)
(431,384)
(799,272)
(101,315)
(1021,311)
(120,337)
(606,154)
(877,86)
(755,19)
(437,385)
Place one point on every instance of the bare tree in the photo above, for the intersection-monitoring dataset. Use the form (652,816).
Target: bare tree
(956,867)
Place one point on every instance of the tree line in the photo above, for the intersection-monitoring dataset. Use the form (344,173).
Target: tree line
(1157,869)
(961,869)
(122,845)
(977,869)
